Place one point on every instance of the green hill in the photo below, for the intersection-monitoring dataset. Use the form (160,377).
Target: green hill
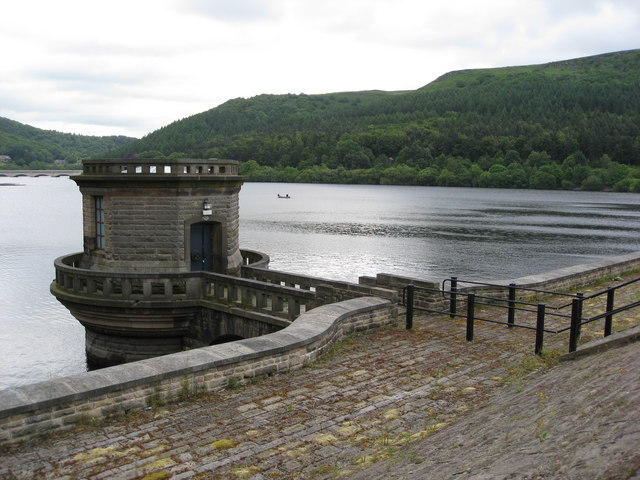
(569,124)
(31,147)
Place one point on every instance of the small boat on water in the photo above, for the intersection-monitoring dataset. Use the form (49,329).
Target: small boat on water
(284,196)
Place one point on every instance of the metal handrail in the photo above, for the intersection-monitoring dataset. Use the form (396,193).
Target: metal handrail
(512,305)
(597,294)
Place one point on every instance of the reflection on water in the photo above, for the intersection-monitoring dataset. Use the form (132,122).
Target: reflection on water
(331,231)
(470,228)
(347,231)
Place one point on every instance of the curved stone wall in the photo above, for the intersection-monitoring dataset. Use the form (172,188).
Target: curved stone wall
(59,404)
(30,410)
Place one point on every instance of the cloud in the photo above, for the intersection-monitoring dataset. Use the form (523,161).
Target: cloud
(128,67)
(82,80)
(233,10)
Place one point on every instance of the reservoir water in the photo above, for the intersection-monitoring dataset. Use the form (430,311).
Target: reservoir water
(333,231)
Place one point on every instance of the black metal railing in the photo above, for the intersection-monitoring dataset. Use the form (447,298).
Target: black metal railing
(564,310)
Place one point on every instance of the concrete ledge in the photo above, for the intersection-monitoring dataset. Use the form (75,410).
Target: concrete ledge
(562,279)
(614,340)
(59,404)
(567,277)
(582,274)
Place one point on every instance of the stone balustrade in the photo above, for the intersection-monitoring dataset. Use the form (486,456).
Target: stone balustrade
(255,259)
(275,300)
(60,404)
(326,290)
(97,286)
(161,167)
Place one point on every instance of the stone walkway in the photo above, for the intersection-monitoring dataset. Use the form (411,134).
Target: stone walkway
(579,420)
(391,404)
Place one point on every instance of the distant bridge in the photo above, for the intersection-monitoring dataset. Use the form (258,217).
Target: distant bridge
(39,173)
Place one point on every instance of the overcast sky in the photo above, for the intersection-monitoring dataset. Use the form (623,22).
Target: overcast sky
(129,67)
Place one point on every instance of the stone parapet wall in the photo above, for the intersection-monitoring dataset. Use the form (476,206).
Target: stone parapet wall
(422,299)
(38,173)
(579,275)
(255,259)
(327,290)
(155,167)
(61,404)
(563,279)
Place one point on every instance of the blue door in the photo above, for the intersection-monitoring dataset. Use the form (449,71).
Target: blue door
(202,247)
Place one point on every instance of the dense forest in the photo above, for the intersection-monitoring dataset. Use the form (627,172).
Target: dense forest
(572,124)
(33,148)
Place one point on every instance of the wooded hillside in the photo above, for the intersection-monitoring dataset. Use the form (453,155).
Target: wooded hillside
(31,147)
(571,124)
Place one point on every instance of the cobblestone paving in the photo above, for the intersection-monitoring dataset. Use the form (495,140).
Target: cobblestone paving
(368,405)
(578,420)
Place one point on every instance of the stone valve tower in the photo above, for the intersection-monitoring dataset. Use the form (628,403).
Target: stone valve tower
(149,227)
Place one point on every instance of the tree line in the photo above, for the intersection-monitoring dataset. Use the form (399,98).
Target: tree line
(572,124)
(537,171)
(36,149)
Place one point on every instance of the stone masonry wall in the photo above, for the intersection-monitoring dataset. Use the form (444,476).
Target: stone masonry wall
(327,290)
(580,275)
(563,279)
(60,404)
(145,228)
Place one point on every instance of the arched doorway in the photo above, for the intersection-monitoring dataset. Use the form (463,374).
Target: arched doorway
(201,247)
(206,247)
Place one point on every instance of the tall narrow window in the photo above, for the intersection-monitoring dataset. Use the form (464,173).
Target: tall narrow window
(99,222)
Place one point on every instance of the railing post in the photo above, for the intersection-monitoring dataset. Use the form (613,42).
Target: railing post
(77,283)
(574,331)
(511,314)
(580,296)
(294,308)
(608,320)
(540,329)
(471,299)
(453,296)
(409,315)
(278,304)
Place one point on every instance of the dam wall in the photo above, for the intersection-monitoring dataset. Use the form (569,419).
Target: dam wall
(61,404)
(562,279)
